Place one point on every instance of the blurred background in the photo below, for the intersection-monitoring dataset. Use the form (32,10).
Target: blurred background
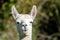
(46,25)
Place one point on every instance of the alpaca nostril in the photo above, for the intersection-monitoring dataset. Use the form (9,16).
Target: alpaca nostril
(22,25)
(25,24)
(17,22)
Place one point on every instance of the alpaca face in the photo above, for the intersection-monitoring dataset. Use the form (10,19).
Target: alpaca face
(26,22)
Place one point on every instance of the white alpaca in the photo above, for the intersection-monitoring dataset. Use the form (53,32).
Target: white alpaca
(24,22)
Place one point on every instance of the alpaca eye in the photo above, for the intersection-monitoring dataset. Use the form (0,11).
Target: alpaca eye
(31,22)
(17,22)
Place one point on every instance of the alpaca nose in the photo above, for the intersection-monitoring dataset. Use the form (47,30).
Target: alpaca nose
(24,25)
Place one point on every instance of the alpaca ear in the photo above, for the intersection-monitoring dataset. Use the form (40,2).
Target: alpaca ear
(14,12)
(33,12)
